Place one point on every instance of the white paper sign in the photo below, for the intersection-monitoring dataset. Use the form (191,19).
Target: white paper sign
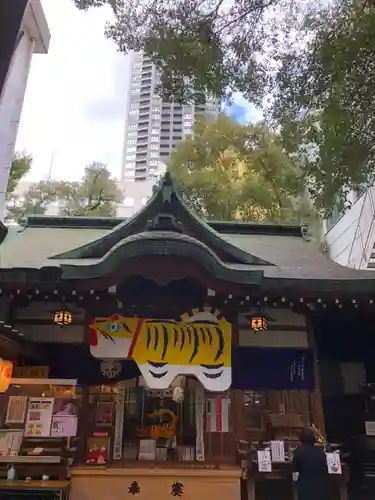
(277,451)
(333,463)
(370,428)
(39,416)
(16,410)
(147,449)
(64,426)
(264,461)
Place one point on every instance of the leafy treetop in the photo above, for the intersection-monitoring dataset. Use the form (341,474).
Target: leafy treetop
(325,105)
(21,165)
(201,47)
(320,87)
(228,171)
(96,194)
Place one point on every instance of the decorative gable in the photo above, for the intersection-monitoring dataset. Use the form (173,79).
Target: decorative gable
(166,212)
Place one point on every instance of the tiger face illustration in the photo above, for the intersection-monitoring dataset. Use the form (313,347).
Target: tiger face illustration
(199,345)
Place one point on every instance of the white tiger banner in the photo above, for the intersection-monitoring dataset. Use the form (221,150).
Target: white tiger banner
(197,345)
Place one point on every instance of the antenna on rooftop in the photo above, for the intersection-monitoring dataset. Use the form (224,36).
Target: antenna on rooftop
(51,165)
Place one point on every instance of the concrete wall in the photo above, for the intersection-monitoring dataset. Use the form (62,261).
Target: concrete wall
(350,241)
(35,39)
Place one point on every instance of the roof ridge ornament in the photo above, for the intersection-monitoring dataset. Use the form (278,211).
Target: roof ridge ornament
(167,188)
(164,222)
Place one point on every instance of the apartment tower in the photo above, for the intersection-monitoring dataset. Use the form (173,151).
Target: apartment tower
(153,128)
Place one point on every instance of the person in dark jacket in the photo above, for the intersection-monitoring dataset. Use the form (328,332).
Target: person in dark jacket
(309,461)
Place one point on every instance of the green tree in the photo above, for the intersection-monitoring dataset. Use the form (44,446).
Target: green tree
(201,47)
(96,194)
(325,101)
(314,59)
(229,171)
(21,165)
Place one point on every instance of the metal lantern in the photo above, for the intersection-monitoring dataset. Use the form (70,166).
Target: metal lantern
(62,317)
(259,323)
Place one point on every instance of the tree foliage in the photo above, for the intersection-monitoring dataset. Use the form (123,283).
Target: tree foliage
(96,194)
(228,171)
(324,101)
(21,165)
(320,87)
(201,47)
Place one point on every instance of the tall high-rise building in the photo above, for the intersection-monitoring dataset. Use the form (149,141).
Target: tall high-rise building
(152,129)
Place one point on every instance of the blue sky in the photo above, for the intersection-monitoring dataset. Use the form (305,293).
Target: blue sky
(74,106)
(242,111)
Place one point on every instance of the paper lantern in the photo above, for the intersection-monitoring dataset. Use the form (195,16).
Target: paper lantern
(6,373)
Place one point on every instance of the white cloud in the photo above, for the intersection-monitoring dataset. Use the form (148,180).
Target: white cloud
(75,100)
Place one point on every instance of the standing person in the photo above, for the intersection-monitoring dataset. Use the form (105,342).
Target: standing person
(309,461)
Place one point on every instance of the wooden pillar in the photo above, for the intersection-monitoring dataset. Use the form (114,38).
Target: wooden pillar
(316,396)
(237,399)
(239,428)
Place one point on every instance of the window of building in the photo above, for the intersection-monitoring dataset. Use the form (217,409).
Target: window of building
(130,165)
(129,173)
(155,131)
(131,142)
(132,126)
(134,105)
(153,154)
(154,162)
(130,157)
(129,202)
(136,91)
(132,134)
(134,112)
(156,116)
(131,150)
(154,138)
(154,146)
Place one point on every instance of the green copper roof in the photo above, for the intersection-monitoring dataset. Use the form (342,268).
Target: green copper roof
(273,257)
(166,202)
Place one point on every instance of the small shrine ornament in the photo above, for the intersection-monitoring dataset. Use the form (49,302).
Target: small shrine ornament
(177,489)
(110,368)
(134,488)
